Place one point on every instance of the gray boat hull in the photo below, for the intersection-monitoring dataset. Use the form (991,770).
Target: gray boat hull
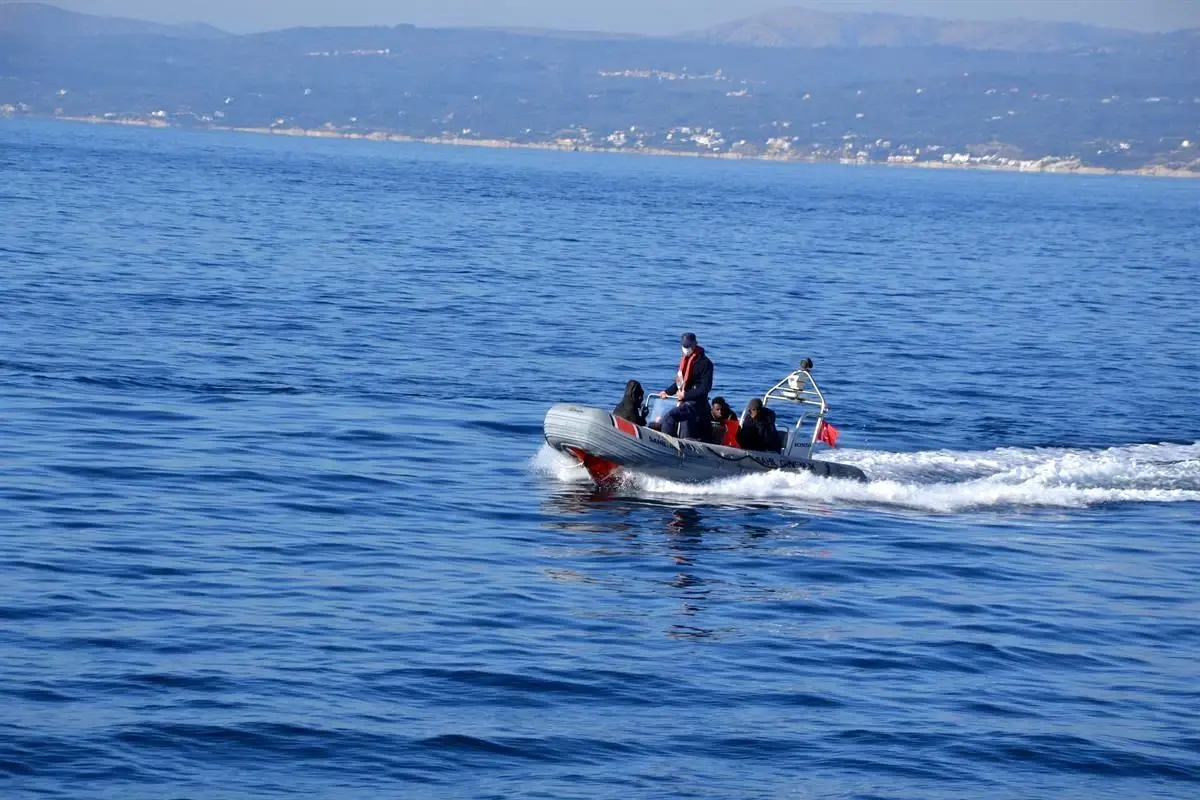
(607,446)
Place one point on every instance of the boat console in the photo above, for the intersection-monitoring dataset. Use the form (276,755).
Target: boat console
(798,389)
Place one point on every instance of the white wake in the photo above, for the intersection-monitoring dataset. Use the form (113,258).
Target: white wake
(949,481)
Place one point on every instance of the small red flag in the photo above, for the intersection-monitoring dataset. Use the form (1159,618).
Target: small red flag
(827,433)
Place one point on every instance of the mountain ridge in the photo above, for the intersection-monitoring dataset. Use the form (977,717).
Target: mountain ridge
(786,26)
(42,19)
(1125,106)
(798,26)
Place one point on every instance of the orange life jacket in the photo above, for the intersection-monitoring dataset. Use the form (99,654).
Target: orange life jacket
(731,431)
(685,367)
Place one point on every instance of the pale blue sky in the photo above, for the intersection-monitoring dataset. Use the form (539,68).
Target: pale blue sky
(637,16)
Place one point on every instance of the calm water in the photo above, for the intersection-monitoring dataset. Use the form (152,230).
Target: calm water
(276,519)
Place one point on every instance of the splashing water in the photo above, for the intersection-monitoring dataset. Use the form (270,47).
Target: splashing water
(946,481)
(552,464)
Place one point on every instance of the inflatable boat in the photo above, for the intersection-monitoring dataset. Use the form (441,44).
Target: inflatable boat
(609,446)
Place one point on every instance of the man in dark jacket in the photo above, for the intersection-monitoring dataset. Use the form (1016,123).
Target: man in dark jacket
(693,381)
(759,431)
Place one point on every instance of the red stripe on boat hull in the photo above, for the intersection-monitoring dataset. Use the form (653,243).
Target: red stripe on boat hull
(626,427)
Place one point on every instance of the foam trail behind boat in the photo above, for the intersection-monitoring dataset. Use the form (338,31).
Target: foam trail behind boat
(946,481)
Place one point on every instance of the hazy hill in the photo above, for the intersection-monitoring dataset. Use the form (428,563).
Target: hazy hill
(1123,106)
(802,27)
(41,20)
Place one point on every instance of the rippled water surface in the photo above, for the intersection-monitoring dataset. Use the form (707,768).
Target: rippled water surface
(276,519)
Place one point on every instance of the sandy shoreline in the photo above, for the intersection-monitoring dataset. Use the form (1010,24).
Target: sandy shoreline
(504,144)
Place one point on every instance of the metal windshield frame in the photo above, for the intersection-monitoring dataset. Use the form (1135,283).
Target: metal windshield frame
(799,388)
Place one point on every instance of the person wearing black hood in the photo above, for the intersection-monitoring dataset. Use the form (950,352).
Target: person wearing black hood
(630,408)
(758,433)
(691,417)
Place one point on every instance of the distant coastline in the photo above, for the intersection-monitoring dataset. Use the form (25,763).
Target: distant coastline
(1053,168)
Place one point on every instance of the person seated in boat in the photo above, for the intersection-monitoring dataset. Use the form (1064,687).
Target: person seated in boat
(630,408)
(759,431)
(691,417)
(725,423)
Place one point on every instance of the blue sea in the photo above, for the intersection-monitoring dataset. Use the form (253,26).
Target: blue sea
(277,519)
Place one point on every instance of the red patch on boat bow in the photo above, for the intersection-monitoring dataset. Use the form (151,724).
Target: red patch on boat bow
(603,471)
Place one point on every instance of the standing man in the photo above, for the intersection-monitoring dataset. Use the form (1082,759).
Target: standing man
(691,418)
